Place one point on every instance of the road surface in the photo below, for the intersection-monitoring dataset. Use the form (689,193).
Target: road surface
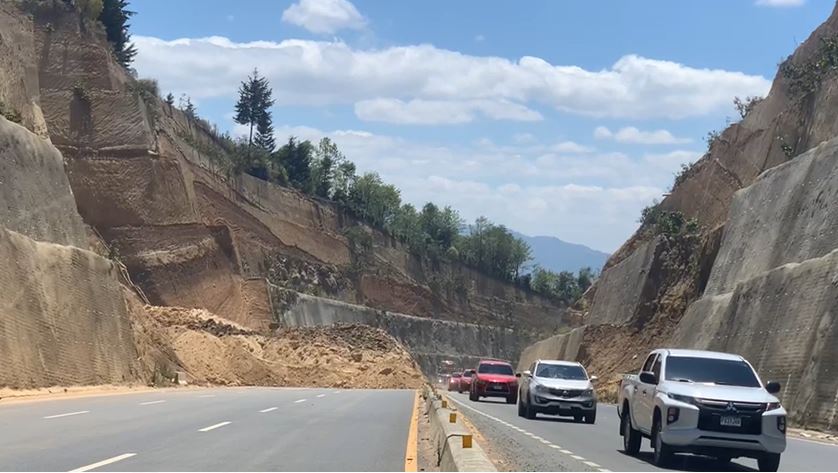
(557,443)
(232,429)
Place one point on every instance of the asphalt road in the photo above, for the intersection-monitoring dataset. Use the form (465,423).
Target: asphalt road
(550,443)
(232,429)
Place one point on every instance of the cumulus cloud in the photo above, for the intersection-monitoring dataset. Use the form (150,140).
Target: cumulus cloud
(633,135)
(561,188)
(435,112)
(319,73)
(780,3)
(324,16)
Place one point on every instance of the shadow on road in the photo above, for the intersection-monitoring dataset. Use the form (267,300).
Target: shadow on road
(686,462)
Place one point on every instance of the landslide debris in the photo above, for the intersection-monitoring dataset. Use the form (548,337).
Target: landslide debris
(212,350)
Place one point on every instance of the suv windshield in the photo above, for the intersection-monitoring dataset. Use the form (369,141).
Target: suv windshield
(708,370)
(495,369)
(561,372)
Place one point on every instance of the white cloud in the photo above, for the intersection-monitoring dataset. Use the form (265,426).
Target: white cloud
(324,16)
(780,3)
(436,112)
(633,135)
(319,73)
(590,197)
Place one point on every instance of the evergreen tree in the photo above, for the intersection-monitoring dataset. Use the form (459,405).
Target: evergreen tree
(114,17)
(295,158)
(253,110)
(170,101)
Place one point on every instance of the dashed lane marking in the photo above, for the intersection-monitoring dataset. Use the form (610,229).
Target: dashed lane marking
(105,462)
(207,395)
(67,414)
(268,409)
(213,427)
(321,395)
(148,403)
(535,437)
(299,401)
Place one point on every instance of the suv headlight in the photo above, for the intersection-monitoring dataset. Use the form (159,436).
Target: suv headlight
(540,389)
(587,392)
(773,405)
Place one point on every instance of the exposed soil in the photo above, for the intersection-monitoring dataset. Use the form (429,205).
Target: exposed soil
(211,350)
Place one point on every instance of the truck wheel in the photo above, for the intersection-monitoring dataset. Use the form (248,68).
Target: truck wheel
(769,462)
(530,412)
(631,437)
(520,406)
(472,395)
(663,452)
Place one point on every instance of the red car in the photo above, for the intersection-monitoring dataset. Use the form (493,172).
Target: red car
(494,378)
(454,381)
(465,381)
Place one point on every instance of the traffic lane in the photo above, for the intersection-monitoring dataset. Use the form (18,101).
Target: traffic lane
(602,444)
(172,430)
(51,435)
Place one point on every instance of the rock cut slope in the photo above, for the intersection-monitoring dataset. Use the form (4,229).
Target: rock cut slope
(759,278)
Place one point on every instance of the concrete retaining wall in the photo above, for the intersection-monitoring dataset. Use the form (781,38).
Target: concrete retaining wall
(429,340)
(564,346)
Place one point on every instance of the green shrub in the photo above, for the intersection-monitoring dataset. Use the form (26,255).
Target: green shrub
(805,78)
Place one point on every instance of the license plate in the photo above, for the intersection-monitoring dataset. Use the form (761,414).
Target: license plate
(497,387)
(730,421)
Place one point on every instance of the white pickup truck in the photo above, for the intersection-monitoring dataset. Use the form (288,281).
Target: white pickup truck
(702,402)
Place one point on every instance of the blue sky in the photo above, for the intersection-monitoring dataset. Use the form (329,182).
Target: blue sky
(559,118)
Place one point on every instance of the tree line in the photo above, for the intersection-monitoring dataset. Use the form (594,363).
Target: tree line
(322,170)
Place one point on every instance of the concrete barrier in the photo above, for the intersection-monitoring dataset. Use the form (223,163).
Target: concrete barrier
(453,443)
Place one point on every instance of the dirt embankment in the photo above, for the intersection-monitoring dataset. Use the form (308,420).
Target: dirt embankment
(211,350)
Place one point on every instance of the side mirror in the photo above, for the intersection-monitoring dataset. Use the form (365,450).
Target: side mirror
(648,377)
(594,379)
(773,387)
(518,374)
(527,373)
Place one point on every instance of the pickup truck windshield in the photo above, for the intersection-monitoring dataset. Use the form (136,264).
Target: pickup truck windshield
(495,369)
(560,372)
(708,370)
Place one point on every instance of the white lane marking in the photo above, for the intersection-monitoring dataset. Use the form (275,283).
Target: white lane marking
(545,442)
(605,470)
(577,457)
(213,427)
(337,392)
(105,462)
(566,452)
(299,401)
(589,463)
(207,395)
(56,416)
(553,445)
(321,395)
(148,403)
(268,409)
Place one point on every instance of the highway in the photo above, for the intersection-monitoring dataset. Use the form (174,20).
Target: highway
(225,429)
(557,443)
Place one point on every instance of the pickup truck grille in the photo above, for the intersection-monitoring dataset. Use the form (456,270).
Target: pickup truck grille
(710,413)
(566,392)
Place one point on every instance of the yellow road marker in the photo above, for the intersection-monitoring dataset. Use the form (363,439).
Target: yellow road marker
(412,451)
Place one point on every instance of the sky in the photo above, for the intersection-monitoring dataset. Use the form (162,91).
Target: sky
(553,117)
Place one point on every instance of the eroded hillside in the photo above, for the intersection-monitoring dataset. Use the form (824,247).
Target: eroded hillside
(756,276)
(130,190)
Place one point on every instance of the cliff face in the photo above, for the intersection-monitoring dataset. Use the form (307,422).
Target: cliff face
(145,179)
(760,279)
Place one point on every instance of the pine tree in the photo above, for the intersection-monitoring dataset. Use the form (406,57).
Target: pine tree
(253,110)
(114,17)
(170,101)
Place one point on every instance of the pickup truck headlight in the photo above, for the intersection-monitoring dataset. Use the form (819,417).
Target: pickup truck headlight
(682,398)
(773,405)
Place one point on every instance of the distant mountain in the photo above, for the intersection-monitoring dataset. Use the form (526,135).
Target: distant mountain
(558,255)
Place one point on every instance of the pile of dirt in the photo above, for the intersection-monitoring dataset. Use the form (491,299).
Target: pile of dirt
(212,350)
